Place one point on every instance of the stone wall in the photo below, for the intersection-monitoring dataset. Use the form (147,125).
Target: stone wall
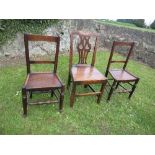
(144,41)
(143,51)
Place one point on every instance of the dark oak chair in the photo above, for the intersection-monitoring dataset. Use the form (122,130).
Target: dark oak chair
(42,81)
(83,73)
(120,76)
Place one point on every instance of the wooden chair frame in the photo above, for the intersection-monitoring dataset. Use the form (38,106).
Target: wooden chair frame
(27,91)
(117,82)
(83,48)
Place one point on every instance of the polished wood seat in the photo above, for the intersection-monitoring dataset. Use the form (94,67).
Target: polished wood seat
(86,73)
(42,82)
(82,73)
(122,75)
(37,81)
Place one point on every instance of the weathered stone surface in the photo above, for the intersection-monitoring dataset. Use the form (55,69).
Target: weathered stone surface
(144,41)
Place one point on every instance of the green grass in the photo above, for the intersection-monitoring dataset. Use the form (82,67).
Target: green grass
(125,25)
(119,116)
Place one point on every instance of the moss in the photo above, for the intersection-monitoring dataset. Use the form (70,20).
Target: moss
(10,27)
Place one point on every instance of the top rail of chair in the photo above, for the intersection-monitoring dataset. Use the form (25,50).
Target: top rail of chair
(89,34)
(32,37)
(123,43)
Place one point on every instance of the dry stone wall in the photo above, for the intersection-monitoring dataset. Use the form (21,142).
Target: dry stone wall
(144,41)
(143,51)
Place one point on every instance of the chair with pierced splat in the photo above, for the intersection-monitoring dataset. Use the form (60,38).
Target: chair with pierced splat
(83,73)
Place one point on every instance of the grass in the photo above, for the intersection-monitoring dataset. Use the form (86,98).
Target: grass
(125,25)
(119,116)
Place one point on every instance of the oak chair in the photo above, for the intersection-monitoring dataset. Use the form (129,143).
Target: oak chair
(83,73)
(42,81)
(120,76)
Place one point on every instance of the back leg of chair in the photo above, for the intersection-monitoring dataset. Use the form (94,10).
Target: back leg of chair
(111,90)
(69,81)
(52,93)
(133,88)
(61,98)
(24,100)
(30,94)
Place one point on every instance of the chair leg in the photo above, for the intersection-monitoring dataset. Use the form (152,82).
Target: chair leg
(101,90)
(30,94)
(133,88)
(69,81)
(72,97)
(24,100)
(52,93)
(111,90)
(117,85)
(61,99)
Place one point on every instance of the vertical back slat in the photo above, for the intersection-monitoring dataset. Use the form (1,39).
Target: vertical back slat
(129,53)
(95,50)
(27,53)
(56,55)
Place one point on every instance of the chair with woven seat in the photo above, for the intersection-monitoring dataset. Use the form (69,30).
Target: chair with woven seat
(42,81)
(83,73)
(120,76)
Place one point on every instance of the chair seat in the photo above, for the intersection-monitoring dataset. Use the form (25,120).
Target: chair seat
(42,80)
(122,75)
(86,73)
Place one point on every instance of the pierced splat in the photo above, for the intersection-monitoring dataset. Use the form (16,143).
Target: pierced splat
(83,48)
(84,43)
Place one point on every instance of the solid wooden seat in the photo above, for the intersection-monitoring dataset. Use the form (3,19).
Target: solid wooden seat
(82,73)
(42,80)
(86,73)
(122,75)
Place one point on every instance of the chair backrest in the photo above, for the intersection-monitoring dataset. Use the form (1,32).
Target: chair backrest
(83,46)
(29,37)
(119,44)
